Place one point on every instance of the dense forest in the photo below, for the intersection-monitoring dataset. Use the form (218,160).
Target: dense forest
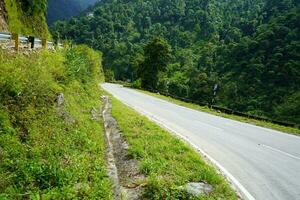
(239,54)
(64,9)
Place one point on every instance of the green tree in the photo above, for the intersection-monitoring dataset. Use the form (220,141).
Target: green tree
(157,55)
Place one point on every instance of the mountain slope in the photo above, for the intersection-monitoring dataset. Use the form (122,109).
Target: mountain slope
(3,17)
(25,17)
(64,9)
(250,49)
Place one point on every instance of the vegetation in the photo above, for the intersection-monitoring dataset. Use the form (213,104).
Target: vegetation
(165,160)
(243,55)
(157,56)
(51,147)
(27,17)
(65,9)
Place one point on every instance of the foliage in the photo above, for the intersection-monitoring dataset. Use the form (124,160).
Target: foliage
(157,56)
(27,17)
(165,160)
(51,151)
(82,63)
(249,49)
(109,75)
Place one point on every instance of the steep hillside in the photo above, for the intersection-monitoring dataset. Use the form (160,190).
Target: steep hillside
(3,17)
(249,49)
(51,145)
(64,9)
(27,17)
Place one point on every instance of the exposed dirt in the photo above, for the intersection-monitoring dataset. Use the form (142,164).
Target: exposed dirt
(3,17)
(128,182)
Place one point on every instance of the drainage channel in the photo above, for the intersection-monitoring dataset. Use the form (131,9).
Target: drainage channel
(128,182)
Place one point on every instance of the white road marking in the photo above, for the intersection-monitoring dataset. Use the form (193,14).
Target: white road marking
(282,152)
(241,189)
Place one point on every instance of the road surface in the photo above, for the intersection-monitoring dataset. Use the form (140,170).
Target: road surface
(264,162)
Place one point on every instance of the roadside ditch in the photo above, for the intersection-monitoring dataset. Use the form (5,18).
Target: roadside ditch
(128,181)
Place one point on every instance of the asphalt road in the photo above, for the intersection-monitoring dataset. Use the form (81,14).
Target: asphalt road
(263,162)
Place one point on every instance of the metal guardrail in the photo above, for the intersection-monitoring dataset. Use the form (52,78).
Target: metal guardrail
(225,110)
(23,39)
(230,111)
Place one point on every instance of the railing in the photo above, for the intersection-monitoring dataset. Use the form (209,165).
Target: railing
(225,110)
(35,42)
(230,111)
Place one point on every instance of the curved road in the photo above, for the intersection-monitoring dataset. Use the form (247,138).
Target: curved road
(264,161)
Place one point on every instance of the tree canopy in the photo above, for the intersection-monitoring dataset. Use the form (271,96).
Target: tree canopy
(249,48)
(157,56)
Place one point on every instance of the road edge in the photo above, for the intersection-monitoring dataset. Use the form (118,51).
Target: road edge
(237,186)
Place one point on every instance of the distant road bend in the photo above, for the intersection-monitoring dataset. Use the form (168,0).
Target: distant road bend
(263,163)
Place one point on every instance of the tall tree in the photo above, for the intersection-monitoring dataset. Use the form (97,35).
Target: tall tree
(156,58)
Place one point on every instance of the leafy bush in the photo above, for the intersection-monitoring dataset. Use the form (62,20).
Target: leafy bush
(82,63)
(109,75)
(137,84)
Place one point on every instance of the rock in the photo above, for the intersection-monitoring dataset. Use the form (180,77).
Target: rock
(197,188)
(80,187)
(60,99)
(96,114)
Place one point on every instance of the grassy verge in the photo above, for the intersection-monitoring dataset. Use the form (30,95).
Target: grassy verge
(166,161)
(291,130)
(51,151)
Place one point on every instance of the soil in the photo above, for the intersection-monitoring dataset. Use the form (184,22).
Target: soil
(128,181)
(3,17)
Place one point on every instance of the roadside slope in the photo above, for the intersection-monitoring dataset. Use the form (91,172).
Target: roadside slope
(3,23)
(26,17)
(51,134)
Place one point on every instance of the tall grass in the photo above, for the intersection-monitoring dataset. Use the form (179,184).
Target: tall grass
(49,151)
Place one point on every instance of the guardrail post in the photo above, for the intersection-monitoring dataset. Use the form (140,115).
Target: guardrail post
(31,41)
(44,43)
(15,36)
(55,43)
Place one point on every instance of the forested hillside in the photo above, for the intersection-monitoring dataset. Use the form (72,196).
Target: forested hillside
(64,9)
(247,50)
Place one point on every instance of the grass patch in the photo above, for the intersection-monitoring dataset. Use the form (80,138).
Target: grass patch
(166,161)
(47,151)
(290,130)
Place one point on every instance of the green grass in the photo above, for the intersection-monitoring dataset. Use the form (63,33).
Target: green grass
(290,130)
(166,161)
(48,152)
(27,24)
